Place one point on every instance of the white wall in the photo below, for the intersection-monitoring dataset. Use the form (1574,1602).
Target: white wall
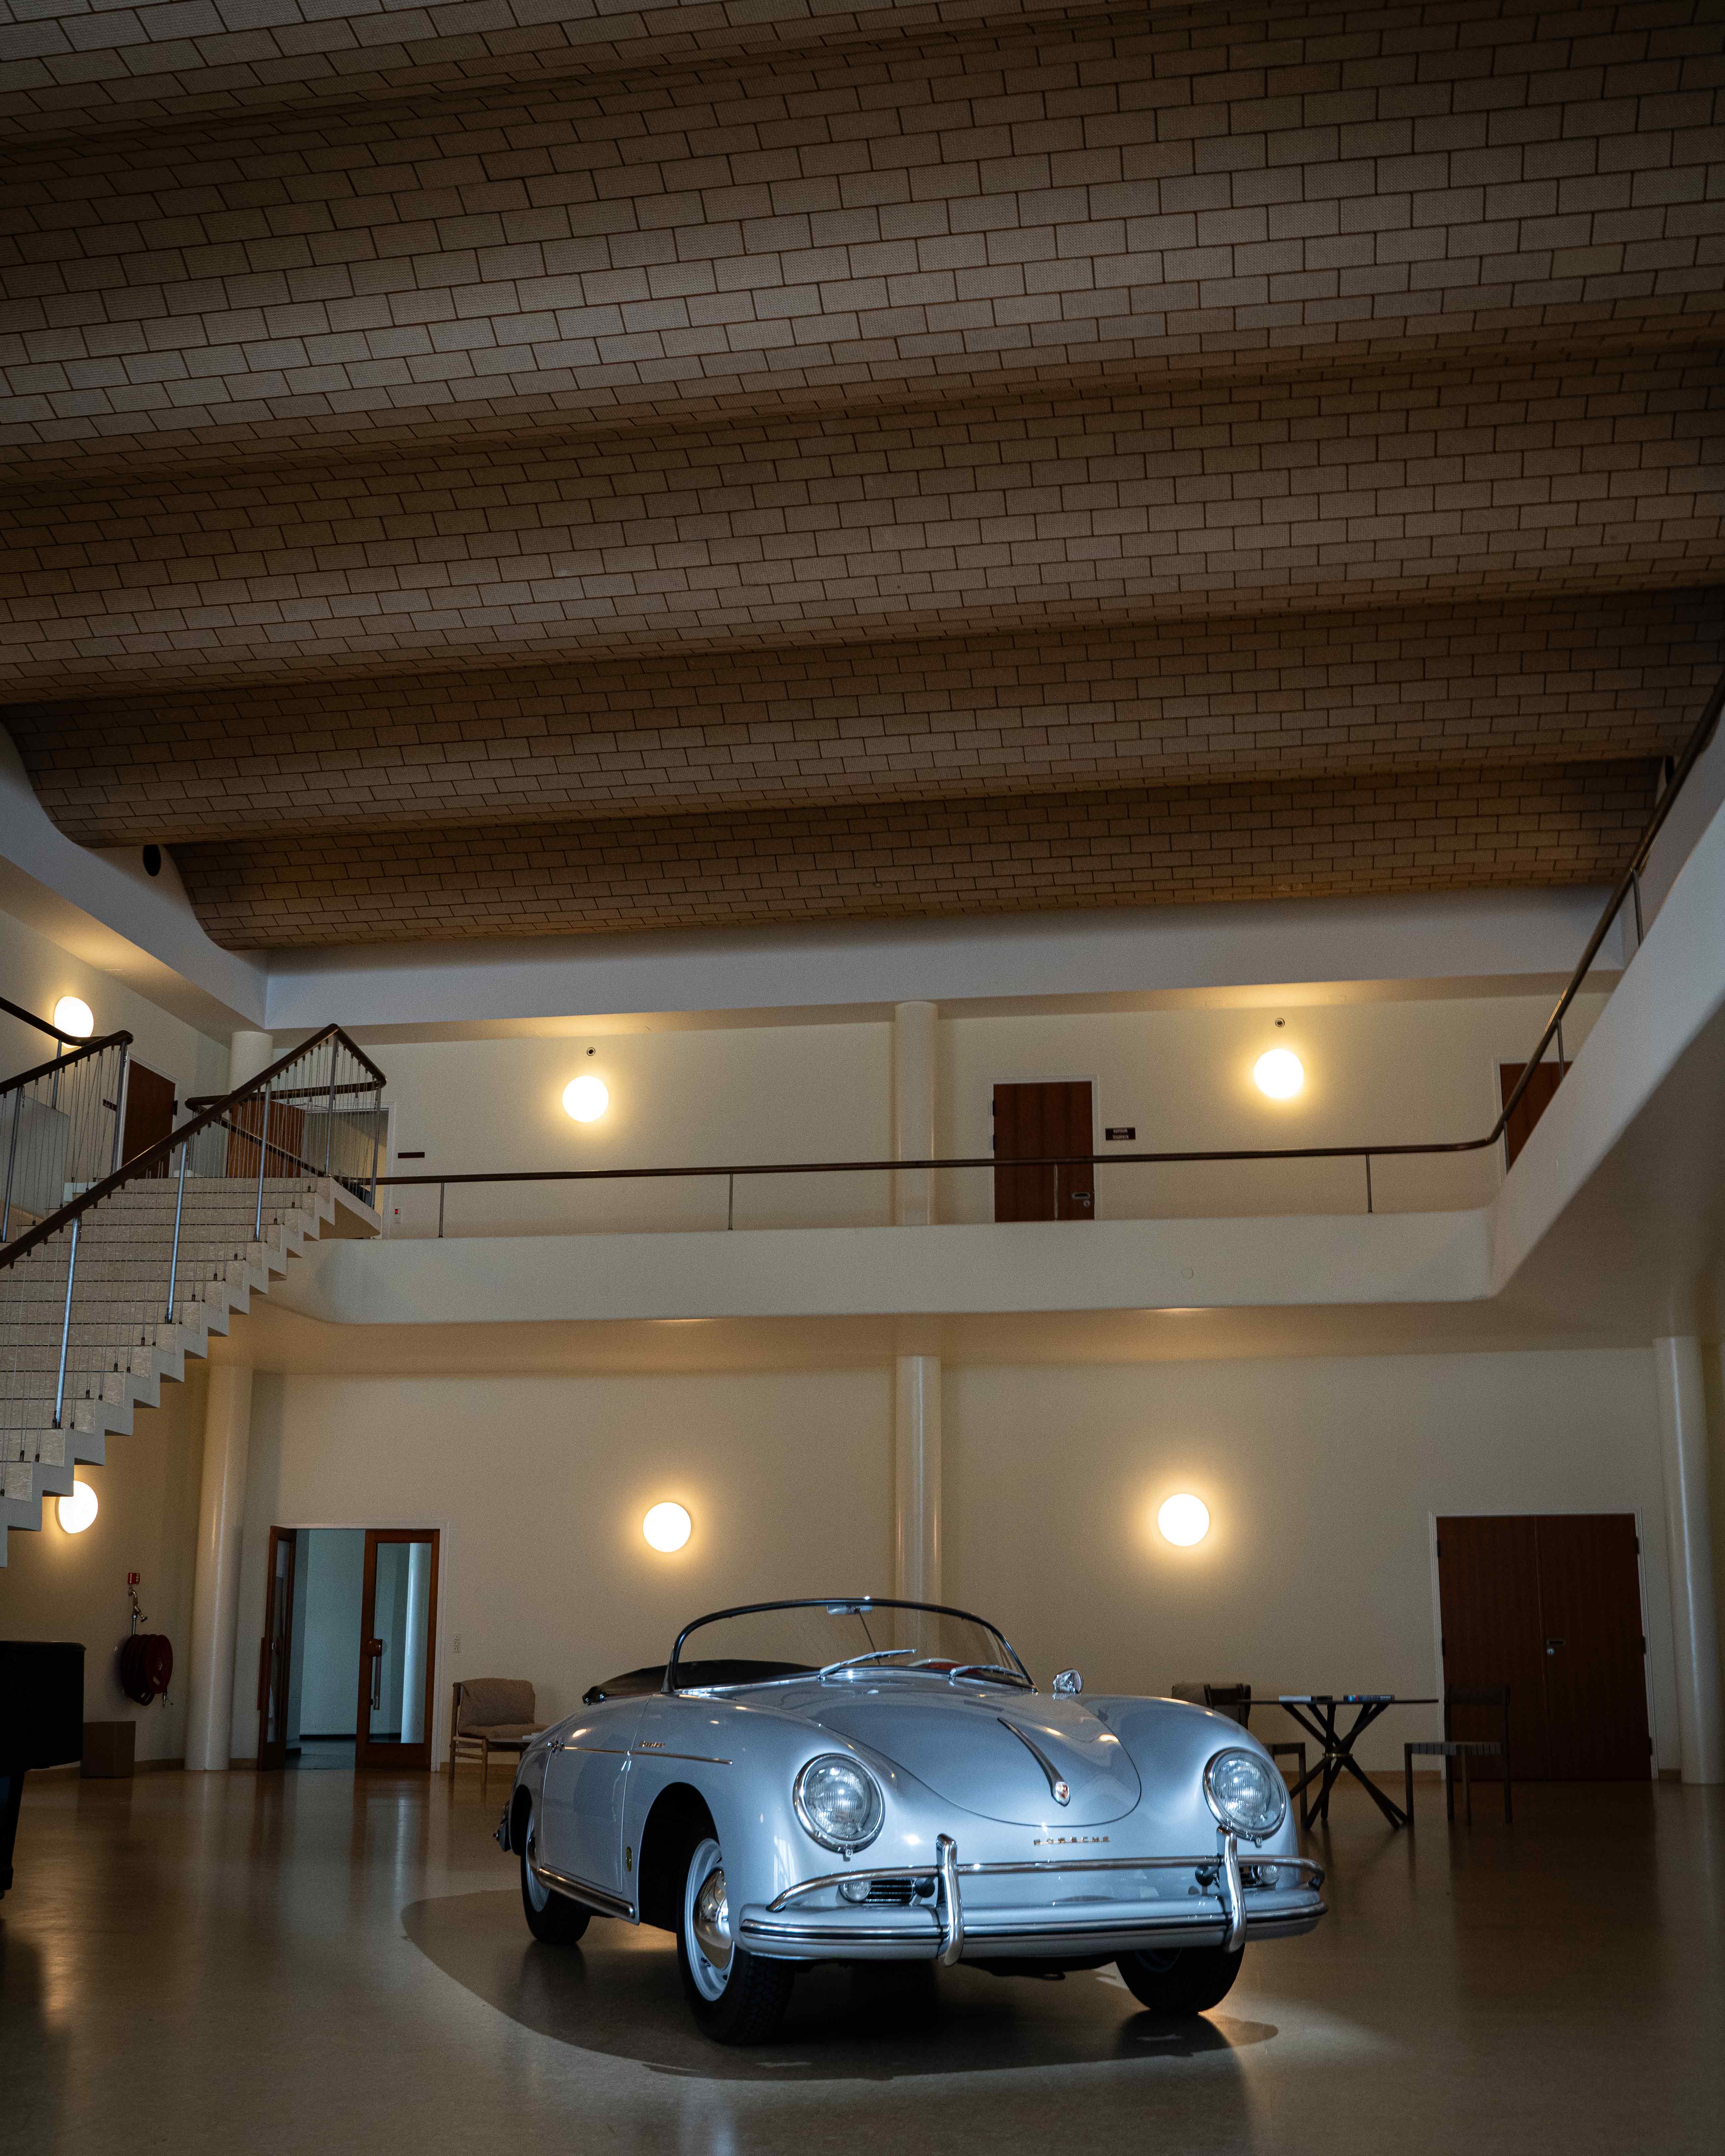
(794,1093)
(538,1486)
(1391,1072)
(1322,1478)
(57,1586)
(36,973)
(1405,1072)
(1321,1475)
(329,1684)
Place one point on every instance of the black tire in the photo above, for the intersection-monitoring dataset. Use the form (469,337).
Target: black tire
(551,1917)
(743,2002)
(1182,1982)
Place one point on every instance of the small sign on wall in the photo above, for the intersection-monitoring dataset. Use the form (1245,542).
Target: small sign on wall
(1116,1132)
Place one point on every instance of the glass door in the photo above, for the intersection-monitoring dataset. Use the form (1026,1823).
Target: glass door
(275,1650)
(398,1635)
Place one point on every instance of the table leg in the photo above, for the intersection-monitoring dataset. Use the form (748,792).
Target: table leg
(1313,1729)
(1346,1762)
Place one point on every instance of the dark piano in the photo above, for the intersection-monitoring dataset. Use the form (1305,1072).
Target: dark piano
(41,1721)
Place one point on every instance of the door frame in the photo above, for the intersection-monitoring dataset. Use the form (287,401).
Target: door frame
(1551,1513)
(446,1539)
(285,1674)
(368,1600)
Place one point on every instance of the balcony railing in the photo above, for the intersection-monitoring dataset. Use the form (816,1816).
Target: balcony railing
(728,1180)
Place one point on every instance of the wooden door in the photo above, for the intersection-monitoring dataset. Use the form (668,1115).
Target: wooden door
(1039,1122)
(1551,1606)
(150,1107)
(275,1649)
(398,1625)
(1532,1106)
(1488,1586)
(1594,1653)
(286,1140)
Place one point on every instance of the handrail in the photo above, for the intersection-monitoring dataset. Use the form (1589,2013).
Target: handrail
(1630,881)
(61,1063)
(142,1165)
(42,1025)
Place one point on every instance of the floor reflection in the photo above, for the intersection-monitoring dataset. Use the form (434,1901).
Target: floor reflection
(618,1992)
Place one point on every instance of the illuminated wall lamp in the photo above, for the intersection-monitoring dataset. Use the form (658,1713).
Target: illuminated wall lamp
(72,1014)
(586,1099)
(667,1527)
(1184,1520)
(78,1508)
(1279,1073)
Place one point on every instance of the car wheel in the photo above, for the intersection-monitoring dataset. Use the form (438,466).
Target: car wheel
(1184,1981)
(734,1996)
(550,1916)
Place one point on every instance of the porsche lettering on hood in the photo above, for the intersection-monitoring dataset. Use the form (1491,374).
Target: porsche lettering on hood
(979,1759)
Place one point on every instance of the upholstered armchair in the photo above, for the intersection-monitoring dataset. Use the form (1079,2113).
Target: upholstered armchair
(492,1714)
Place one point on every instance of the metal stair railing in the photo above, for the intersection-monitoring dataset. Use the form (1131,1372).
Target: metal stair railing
(316,1114)
(60,1123)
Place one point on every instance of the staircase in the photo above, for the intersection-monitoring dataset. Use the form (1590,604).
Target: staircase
(159,1258)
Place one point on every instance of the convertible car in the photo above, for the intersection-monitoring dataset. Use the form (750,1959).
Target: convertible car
(869,1780)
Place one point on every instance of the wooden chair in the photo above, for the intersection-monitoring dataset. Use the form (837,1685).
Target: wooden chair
(1449,1746)
(1235,1702)
(492,1714)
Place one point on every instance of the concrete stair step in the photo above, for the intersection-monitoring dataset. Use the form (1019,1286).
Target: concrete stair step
(122,1344)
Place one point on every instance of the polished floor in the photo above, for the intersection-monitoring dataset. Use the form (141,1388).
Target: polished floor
(323,1962)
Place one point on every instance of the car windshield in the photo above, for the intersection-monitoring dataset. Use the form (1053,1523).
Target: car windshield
(841,1642)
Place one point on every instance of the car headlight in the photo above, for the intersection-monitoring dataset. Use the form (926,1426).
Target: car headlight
(1245,1794)
(839,1802)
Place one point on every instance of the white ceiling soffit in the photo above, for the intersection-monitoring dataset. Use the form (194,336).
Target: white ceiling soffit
(1314,950)
(105,911)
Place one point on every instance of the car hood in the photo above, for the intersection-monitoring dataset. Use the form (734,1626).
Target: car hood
(972,1750)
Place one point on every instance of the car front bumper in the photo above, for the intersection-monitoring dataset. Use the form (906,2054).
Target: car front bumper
(973,1915)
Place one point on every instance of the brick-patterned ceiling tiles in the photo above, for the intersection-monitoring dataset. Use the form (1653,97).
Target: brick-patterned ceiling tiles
(1294,487)
(1259,177)
(1391,690)
(510,471)
(1460,831)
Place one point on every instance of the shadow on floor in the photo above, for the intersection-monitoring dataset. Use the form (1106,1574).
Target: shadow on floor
(619,1993)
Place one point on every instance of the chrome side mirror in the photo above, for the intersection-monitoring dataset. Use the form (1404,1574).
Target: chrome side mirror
(1069,1681)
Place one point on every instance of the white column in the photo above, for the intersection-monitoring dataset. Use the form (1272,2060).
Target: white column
(916,1478)
(247,1054)
(215,1586)
(1689,1553)
(913,1110)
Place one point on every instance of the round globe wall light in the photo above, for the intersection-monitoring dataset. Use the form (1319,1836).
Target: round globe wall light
(72,1014)
(586,1099)
(78,1508)
(1279,1073)
(667,1527)
(1184,1520)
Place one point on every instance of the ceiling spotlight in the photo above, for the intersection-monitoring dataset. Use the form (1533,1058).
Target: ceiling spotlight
(78,1508)
(1184,1520)
(667,1527)
(1280,1073)
(72,1014)
(586,1099)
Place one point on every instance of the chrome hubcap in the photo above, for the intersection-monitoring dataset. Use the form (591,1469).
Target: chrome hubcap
(712,1920)
(706,1921)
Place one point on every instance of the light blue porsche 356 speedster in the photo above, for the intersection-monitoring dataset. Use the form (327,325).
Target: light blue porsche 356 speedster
(863,1779)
